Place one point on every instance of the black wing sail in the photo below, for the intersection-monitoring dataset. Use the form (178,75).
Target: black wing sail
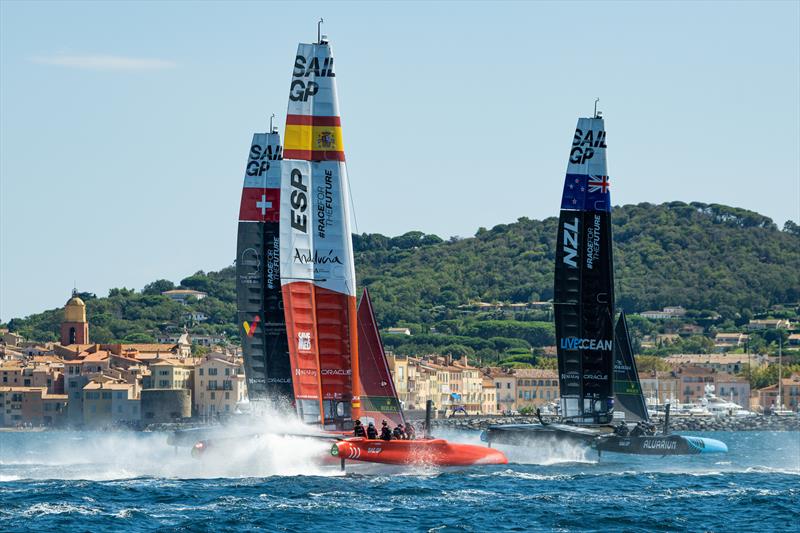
(584,281)
(627,388)
(262,325)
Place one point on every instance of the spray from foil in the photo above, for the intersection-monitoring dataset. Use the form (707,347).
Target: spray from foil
(262,445)
(550,451)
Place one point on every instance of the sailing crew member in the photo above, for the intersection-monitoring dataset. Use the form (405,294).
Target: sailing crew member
(386,433)
(358,429)
(398,433)
(372,433)
(410,433)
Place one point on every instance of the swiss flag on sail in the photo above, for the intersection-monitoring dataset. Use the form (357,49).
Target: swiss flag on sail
(260,205)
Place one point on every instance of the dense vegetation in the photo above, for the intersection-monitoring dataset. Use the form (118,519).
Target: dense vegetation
(711,259)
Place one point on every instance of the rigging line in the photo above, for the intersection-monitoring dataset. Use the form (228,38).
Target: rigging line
(352,203)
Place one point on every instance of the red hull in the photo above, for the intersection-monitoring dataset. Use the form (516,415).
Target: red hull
(437,452)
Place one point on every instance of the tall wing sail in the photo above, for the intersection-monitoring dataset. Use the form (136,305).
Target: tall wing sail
(262,326)
(314,137)
(584,284)
(627,388)
(378,396)
(297,283)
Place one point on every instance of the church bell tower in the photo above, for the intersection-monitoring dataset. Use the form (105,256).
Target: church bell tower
(75,328)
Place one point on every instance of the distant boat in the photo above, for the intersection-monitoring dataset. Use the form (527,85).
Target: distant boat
(598,379)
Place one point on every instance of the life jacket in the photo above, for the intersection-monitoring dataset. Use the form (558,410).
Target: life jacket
(386,433)
(372,433)
(358,431)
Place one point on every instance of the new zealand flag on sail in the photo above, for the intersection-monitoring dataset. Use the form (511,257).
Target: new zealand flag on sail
(586,193)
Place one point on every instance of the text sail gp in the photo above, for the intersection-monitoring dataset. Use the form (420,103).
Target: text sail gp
(584,281)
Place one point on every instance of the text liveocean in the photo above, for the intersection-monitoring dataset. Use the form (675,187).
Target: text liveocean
(574,343)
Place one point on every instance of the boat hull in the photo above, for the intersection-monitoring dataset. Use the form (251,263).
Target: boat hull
(436,452)
(602,439)
(660,445)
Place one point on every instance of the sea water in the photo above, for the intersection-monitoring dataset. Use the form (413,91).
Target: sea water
(120,481)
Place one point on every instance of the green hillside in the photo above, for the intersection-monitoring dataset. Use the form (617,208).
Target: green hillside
(707,258)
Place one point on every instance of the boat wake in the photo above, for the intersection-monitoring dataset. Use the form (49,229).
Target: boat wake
(263,447)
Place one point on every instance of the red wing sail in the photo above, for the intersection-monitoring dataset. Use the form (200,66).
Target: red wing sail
(378,396)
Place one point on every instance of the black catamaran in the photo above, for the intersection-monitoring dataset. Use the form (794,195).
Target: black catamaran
(596,367)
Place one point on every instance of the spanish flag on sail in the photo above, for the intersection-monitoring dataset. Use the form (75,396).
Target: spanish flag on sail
(313,127)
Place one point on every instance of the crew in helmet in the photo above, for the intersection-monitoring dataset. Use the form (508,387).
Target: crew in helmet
(372,433)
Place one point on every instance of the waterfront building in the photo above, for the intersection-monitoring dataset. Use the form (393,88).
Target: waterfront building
(505,384)
(32,406)
(660,387)
(488,397)
(693,380)
(219,385)
(536,387)
(790,390)
(109,402)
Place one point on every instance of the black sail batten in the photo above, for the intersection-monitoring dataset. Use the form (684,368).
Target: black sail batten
(262,325)
(584,281)
(627,387)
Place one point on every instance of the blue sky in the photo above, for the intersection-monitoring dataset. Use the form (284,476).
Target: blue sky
(124,127)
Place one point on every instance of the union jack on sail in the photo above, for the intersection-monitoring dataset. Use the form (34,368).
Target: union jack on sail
(599,183)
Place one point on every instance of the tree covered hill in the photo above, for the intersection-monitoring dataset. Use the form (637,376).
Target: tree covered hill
(709,258)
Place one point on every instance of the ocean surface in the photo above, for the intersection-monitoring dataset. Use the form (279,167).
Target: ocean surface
(83,481)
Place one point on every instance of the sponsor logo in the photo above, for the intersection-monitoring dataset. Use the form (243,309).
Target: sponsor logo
(660,444)
(304,340)
(570,242)
(250,327)
(305,257)
(572,375)
(301,90)
(304,372)
(584,145)
(250,258)
(279,380)
(374,450)
(574,343)
(299,201)
(325,204)
(258,161)
(595,376)
(336,372)
(593,243)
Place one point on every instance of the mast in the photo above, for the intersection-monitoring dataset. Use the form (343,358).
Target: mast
(584,284)
(317,267)
(262,327)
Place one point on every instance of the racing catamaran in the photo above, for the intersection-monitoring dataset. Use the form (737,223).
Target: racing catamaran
(596,367)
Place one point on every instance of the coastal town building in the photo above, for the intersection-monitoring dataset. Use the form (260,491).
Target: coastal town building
(768,398)
(729,341)
(665,313)
(505,384)
(109,402)
(31,406)
(219,385)
(660,387)
(769,323)
(536,387)
(731,363)
(183,296)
